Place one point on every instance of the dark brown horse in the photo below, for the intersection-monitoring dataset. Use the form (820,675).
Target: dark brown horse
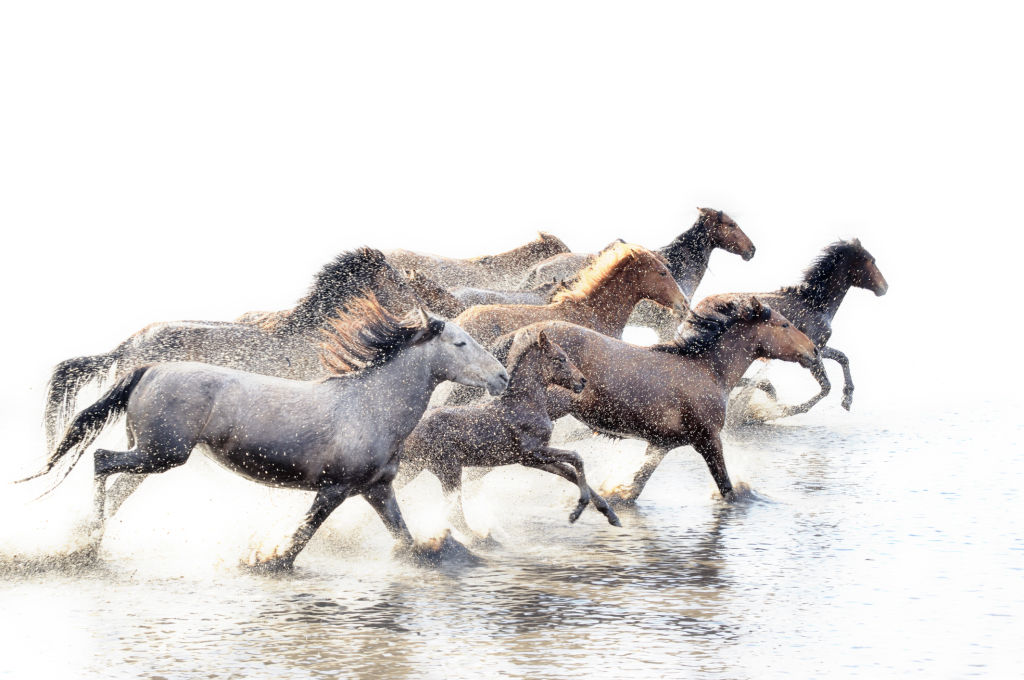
(812,304)
(687,257)
(513,429)
(602,296)
(674,394)
(504,270)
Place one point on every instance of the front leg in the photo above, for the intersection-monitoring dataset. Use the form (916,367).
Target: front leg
(818,371)
(840,358)
(381,497)
(709,447)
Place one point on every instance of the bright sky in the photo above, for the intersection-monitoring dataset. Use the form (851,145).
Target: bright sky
(196,160)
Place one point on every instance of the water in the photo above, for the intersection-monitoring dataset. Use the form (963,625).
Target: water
(878,542)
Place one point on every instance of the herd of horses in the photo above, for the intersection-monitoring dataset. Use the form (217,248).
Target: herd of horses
(332,395)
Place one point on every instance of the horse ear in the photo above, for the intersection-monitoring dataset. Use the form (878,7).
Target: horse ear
(542,340)
(758,309)
(424,317)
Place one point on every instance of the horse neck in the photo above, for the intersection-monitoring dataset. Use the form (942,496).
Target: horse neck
(408,379)
(688,257)
(607,308)
(732,355)
(824,292)
(526,381)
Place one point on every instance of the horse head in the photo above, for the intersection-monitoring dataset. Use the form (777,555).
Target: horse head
(863,270)
(724,233)
(461,359)
(778,338)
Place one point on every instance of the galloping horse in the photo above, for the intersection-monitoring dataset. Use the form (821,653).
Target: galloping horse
(812,304)
(513,429)
(503,270)
(673,394)
(602,296)
(687,257)
(283,344)
(338,437)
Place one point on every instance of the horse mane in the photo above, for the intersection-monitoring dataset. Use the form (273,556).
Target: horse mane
(364,334)
(707,323)
(607,263)
(697,237)
(349,274)
(817,274)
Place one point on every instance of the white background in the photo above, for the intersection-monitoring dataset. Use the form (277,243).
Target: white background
(197,160)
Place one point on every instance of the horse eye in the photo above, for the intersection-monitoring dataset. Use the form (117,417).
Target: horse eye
(461,343)
(664,273)
(785,325)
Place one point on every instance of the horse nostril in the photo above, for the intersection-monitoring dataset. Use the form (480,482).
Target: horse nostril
(583,381)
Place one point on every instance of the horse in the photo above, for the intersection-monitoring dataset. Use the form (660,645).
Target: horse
(283,344)
(513,429)
(338,436)
(672,394)
(687,257)
(538,295)
(812,304)
(436,297)
(503,270)
(602,296)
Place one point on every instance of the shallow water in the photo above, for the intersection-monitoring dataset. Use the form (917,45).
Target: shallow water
(871,543)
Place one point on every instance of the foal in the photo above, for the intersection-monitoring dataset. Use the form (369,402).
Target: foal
(513,429)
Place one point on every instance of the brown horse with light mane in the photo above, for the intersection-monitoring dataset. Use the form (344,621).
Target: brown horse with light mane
(601,298)
(504,270)
(673,394)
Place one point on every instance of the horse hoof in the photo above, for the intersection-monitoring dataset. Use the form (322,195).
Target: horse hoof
(267,564)
(847,402)
(442,550)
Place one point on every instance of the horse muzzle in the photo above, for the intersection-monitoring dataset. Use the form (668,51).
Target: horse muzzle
(497,384)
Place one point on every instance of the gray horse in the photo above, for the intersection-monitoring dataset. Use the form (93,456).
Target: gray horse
(283,344)
(339,436)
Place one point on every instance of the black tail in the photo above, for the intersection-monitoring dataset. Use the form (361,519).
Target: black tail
(88,424)
(66,381)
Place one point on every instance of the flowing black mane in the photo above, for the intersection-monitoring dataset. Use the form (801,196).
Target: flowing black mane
(817,275)
(365,334)
(706,324)
(348,275)
(693,241)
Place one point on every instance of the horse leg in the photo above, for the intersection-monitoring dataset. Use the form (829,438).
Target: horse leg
(567,472)
(327,501)
(139,461)
(547,455)
(840,358)
(763,384)
(381,497)
(818,371)
(628,494)
(710,449)
(451,485)
(124,486)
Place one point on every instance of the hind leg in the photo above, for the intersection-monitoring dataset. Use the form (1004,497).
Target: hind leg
(138,461)
(327,500)
(629,493)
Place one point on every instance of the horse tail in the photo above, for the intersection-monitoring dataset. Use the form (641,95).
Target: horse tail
(88,424)
(66,381)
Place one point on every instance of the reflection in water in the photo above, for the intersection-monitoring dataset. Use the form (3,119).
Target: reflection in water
(854,547)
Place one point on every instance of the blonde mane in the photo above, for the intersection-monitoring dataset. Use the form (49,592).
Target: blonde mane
(364,334)
(607,263)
